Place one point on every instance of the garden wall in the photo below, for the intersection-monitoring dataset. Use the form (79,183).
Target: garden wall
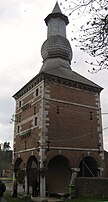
(91,187)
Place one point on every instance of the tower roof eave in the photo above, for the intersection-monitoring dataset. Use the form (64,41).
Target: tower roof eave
(68,74)
(62,73)
(55,15)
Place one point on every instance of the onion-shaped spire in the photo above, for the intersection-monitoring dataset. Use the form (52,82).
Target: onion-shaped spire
(56,50)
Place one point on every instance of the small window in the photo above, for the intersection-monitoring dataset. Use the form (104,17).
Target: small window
(19,118)
(35,121)
(16,119)
(91,116)
(20,103)
(37,92)
(18,129)
(34,110)
(25,144)
(57,110)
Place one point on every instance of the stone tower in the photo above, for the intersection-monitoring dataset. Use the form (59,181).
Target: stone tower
(58,131)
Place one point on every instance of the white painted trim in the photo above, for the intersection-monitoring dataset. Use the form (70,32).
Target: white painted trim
(73,103)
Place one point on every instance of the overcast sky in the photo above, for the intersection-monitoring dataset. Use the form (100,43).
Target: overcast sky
(22,32)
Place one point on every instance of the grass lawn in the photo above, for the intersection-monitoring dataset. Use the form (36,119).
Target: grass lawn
(11,199)
(86,200)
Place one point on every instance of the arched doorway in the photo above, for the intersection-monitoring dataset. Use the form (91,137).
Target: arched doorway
(88,167)
(58,175)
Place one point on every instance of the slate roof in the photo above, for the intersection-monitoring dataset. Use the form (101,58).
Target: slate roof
(56,63)
(56,8)
(56,47)
(72,76)
(62,73)
(57,55)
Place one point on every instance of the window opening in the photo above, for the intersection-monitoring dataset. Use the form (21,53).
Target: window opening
(91,116)
(20,103)
(34,110)
(57,109)
(18,129)
(19,118)
(35,121)
(37,92)
(25,144)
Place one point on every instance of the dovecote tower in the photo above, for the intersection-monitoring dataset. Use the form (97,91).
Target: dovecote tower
(58,131)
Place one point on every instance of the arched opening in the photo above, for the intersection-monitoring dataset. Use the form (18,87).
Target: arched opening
(32,171)
(58,175)
(19,170)
(88,167)
(17,164)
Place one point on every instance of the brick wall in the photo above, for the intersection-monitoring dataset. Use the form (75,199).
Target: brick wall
(28,135)
(106,164)
(67,116)
(73,120)
(91,187)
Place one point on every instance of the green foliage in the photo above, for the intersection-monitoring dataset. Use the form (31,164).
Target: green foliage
(85,200)
(5,160)
(6,146)
(11,199)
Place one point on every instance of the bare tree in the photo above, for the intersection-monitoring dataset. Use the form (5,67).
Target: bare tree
(93,36)
(6,146)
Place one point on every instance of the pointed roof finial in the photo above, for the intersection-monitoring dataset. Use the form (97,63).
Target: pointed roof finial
(57,13)
(56,8)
